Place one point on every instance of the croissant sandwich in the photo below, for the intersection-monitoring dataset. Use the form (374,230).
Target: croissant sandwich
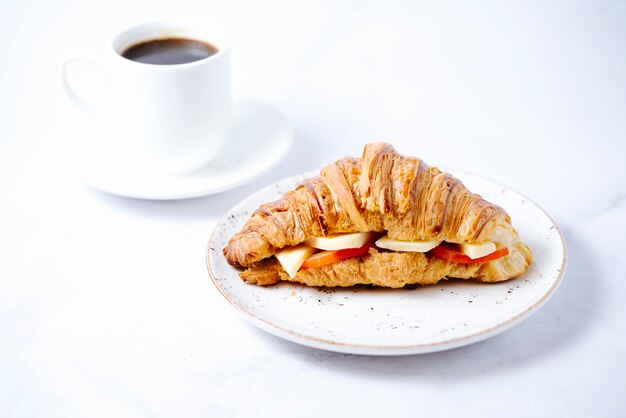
(383,219)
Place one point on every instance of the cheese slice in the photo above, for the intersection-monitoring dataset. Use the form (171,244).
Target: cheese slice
(340,241)
(291,258)
(475,251)
(406,246)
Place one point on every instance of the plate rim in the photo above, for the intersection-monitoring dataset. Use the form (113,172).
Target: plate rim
(375,349)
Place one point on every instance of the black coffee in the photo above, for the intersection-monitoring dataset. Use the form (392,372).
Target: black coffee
(169,51)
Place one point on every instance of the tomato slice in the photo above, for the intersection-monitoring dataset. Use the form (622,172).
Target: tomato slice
(450,252)
(328,257)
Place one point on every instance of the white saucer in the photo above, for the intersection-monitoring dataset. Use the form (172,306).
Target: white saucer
(260,138)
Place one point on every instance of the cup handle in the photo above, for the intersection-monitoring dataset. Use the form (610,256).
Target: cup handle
(88,94)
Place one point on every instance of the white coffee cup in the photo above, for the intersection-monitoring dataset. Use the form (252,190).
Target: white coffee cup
(161,118)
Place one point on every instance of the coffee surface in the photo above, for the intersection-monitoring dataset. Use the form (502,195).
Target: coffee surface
(169,51)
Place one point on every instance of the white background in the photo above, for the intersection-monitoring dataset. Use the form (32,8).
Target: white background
(106,309)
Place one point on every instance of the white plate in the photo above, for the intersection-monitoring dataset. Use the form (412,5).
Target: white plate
(364,320)
(260,138)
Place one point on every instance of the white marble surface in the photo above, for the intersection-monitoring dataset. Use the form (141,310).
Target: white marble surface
(105,305)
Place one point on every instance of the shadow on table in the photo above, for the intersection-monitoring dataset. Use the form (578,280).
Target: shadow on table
(550,330)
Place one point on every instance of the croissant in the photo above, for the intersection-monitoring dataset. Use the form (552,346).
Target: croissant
(386,193)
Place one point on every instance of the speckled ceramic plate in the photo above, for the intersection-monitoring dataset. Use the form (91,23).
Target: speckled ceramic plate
(365,320)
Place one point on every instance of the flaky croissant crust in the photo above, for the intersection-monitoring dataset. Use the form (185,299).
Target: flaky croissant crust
(381,191)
